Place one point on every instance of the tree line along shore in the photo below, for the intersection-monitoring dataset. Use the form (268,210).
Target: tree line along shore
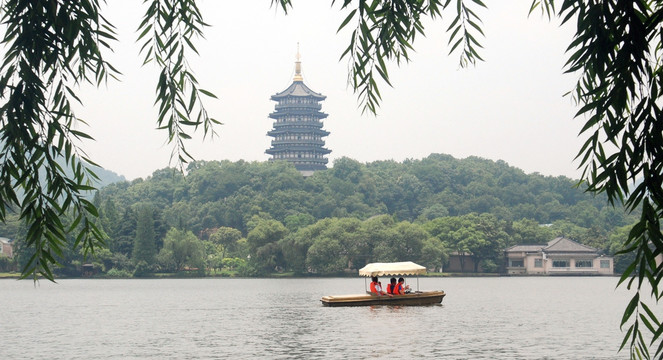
(223,218)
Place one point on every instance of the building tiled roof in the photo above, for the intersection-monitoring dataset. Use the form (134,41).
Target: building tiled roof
(525,248)
(562,244)
(558,245)
(575,254)
(298,89)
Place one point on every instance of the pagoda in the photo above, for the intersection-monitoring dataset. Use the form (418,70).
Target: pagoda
(298,129)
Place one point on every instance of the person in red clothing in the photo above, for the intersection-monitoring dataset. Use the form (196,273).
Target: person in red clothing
(401,287)
(376,287)
(391,288)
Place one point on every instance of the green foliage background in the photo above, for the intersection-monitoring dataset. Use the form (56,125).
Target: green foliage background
(264,217)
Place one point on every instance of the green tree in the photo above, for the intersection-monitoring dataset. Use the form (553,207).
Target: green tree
(326,256)
(110,216)
(483,237)
(337,247)
(6,264)
(528,231)
(377,240)
(491,247)
(434,211)
(297,221)
(226,237)
(399,242)
(433,253)
(263,243)
(616,241)
(182,249)
(295,245)
(144,243)
(567,229)
(125,233)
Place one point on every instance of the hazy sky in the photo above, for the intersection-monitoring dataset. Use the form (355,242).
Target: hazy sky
(510,107)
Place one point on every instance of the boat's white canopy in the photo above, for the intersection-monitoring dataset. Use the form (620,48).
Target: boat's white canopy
(395,268)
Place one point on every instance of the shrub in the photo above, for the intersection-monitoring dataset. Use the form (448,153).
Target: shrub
(117,273)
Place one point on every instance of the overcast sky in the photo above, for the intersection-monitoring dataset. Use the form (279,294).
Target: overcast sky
(510,107)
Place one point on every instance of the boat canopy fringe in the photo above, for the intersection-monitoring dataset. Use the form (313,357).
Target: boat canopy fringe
(390,269)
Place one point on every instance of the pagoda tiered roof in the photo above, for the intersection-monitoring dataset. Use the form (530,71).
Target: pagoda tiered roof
(297,131)
(298,88)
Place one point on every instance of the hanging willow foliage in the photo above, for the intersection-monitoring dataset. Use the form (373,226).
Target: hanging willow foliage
(51,48)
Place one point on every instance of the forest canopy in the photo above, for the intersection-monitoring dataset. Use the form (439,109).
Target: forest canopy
(265,217)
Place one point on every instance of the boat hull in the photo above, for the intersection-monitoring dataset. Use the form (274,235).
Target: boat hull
(413,299)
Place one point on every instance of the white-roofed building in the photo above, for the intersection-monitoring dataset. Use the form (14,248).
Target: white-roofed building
(561,256)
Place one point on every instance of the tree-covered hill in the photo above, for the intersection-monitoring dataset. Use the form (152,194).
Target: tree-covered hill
(213,194)
(267,212)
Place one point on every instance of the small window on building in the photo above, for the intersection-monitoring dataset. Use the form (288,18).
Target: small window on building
(538,263)
(584,263)
(605,264)
(560,263)
(517,263)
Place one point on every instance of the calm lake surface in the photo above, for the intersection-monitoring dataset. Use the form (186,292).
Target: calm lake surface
(480,318)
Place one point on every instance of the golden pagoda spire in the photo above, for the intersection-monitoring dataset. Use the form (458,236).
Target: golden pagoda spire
(298,67)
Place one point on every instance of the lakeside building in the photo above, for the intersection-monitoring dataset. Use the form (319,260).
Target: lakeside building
(6,247)
(561,256)
(463,263)
(297,128)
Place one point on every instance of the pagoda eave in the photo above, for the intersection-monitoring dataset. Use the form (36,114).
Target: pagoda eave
(279,114)
(317,150)
(298,89)
(276,132)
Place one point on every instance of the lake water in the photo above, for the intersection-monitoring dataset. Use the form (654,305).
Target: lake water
(480,318)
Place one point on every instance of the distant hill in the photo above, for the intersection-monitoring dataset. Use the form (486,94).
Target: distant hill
(212,194)
(106,177)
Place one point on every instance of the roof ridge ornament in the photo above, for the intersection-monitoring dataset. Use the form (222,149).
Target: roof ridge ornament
(298,67)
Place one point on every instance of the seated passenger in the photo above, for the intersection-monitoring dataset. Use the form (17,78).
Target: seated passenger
(376,287)
(401,288)
(392,287)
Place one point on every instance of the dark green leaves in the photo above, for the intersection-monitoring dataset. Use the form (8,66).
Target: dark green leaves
(461,28)
(167,31)
(616,51)
(385,32)
(51,47)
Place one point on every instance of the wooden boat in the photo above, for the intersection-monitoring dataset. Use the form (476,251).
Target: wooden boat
(388,269)
(415,298)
